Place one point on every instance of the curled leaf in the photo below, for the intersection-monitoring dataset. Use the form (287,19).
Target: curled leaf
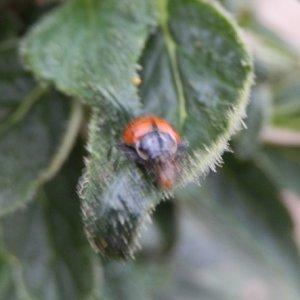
(197,73)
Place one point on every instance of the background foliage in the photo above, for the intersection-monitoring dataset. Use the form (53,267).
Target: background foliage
(231,238)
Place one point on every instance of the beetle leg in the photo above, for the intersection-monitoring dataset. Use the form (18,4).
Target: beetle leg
(181,148)
(130,153)
(116,163)
(109,152)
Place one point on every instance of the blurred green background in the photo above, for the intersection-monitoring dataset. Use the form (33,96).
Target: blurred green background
(235,237)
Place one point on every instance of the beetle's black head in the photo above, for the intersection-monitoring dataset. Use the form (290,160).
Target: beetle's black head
(156,145)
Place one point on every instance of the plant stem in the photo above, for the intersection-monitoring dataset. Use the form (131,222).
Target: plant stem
(21,111)
(67,143)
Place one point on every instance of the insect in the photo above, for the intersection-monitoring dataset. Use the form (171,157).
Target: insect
(156,146)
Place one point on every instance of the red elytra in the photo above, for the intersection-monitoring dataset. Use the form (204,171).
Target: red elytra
(140,126)
(156,146)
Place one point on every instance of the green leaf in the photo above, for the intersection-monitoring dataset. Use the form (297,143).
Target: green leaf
(15,82)
(30,131)
(90,49)
(47,244)
(197,74)
(114,202)
(282,165)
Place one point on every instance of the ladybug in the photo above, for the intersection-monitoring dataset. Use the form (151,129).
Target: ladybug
(156,146)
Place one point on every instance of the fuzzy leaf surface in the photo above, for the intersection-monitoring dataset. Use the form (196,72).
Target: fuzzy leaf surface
(114,202)
(196,73)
